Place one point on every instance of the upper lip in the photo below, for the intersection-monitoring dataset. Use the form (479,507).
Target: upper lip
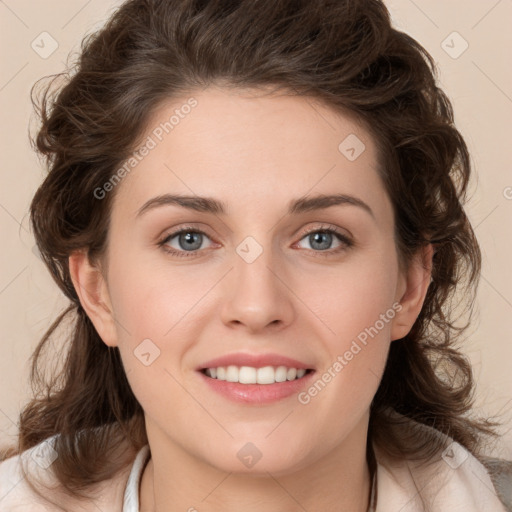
(254,360)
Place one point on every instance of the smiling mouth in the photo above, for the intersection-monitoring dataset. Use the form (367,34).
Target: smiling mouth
(252,375)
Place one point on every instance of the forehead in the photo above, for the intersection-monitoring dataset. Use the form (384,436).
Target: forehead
(243,147)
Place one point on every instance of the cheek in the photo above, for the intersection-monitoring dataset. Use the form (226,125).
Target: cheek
(353,296)
(356,356)
(357,304)
(160,313)
(151,301)
(158,329)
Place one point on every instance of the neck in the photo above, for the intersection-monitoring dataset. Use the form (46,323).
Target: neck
(174,480)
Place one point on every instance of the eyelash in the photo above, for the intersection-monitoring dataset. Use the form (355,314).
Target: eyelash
(346,241)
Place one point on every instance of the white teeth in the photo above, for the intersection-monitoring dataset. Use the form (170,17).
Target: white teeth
(281,373)
(250,375)
(247,375)
(232,374)
(266,375)
(291,373)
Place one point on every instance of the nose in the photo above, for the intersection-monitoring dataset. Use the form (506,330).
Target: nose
(257,295)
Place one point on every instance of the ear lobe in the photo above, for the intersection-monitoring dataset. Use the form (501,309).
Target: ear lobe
(92,291)
(417,281)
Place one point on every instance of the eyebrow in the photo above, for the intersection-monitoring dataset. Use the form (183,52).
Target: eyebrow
(210,205)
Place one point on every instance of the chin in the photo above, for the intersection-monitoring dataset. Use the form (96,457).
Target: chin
(258,458)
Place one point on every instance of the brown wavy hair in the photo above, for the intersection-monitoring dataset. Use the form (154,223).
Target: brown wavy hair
(343,53)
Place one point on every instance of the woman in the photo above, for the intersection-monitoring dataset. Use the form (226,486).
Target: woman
(256,211)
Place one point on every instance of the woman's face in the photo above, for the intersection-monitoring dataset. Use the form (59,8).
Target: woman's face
(260,278)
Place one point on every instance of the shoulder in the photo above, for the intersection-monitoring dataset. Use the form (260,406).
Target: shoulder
(16,495)
(500,472)
(454,479)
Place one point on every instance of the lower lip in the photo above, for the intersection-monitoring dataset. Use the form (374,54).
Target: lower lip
(257,393)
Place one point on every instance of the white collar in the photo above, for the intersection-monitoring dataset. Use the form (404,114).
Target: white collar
(131,493)
(437,486)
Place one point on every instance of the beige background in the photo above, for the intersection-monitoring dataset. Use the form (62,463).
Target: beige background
(478,81)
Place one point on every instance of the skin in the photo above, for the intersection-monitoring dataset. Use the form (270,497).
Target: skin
(292,300)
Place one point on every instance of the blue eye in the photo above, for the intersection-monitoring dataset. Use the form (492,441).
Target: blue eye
(323,239)
(190,241)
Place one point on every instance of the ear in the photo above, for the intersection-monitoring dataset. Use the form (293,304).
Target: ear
(91,287)
(411,291)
